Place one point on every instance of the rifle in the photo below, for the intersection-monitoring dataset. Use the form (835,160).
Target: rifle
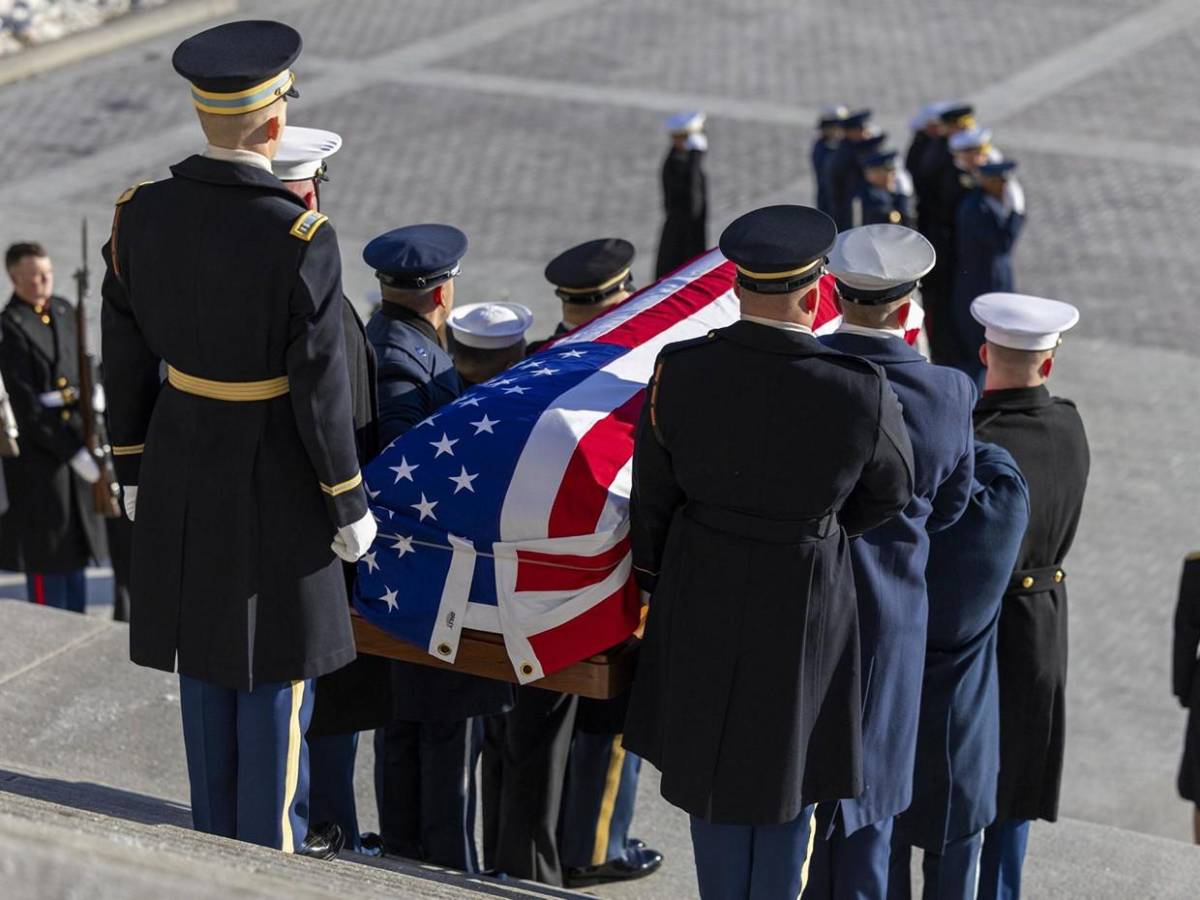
(95,438)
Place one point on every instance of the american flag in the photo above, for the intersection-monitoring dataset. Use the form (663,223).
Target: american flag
(508,510)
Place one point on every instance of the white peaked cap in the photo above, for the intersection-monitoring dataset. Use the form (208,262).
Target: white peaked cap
(301,152)
(686,122)
(880,257)
(1023,322)
(490,326)
(970,139)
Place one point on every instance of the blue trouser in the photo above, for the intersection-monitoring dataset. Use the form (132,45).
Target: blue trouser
(331,792)
(64,591)
(601,789)
(1003,856)
(247,760)
(752,862)
(952,874)
(425,790)
(849,866)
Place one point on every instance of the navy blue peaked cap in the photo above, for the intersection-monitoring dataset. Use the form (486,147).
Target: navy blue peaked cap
(873,144)
(856,119)
(998,169)
(591,271)
(779,249)
(416,256)
(883,160)
(239,67)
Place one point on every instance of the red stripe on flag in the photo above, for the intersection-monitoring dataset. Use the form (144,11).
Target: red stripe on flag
(560,572)
(827,306)
(605,625)
(39,589)
(595,462)
(674,308)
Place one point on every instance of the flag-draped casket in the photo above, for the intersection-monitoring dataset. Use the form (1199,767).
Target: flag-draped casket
(508,510)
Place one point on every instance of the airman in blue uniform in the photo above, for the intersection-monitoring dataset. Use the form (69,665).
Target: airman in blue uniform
(829,128)
(881,198)
(843,168)
(878,268)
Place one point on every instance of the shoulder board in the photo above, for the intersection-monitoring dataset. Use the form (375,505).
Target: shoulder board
(966,181)
(1064,401)
(128,193)
(687,345)
(307,223)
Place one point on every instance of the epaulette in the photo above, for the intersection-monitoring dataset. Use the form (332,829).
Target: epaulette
(1064,401)
(667,351)
(687,345)
(307,223)
(127,194)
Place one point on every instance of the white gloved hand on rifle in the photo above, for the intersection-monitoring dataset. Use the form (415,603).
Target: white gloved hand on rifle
(129,500)
(355,539)
(85,465)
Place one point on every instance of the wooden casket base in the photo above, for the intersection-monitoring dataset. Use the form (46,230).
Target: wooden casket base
(482,653)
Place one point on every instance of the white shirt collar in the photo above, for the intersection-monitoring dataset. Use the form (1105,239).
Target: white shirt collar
(777,323)
(247,157)
(847,328)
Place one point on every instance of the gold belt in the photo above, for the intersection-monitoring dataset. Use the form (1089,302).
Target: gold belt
(236,391)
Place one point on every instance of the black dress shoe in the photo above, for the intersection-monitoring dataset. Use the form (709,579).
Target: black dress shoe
(323,842)
(371,844)
(638,862)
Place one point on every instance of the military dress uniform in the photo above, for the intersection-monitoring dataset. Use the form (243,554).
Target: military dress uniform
(843,169)
(425,756)
(759,452)
(958,739)
(1045,436)
(1185,676)
(685,196)
(823,148)
(876,265)
(241,464)
(50,530)
(879,205)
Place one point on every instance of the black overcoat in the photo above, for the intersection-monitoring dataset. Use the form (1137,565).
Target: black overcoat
(50,526)
(757,456)
(1185,674)
(685,200)
(222,273)
(1045,436)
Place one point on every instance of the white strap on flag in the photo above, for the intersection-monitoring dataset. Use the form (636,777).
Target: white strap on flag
(452,610)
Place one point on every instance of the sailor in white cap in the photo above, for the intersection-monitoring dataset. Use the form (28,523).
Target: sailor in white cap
(685,193)
(877,270)
(1045,436)
(300,162)
(487,338)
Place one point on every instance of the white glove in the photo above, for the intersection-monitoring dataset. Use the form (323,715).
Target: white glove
(352,541)
(129,500)
(1014,197)
(696,141)
(99,402)
(85,466)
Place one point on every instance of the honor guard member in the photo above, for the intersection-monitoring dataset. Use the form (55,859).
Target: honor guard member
(958,741)
(844,168)
(877,270)
(354,698)
(926,127)
(425,757)
(221,275)
(590,279)
(487,338)
(1185,673)
(50,530)
(829,135)
(1045,436)
(990,219)
(760,451)
(881,199)
(685,194)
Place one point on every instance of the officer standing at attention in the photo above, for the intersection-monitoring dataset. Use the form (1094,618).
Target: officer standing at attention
(958,740)
(487,339)
(990,219)
(927,129)
(1045,436)
(590,279)
(877,269)
(759,453)
(685,194)
(246,452)
(844,168)
(51,529)
(829,128)
(354,698)
(425,757)
(1185,677)
(880,197)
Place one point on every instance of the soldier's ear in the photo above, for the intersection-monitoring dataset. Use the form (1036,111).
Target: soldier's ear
(983,355)
(1046,367)
(813,298)
(274,128)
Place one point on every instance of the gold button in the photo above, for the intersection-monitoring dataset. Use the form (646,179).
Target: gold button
(65,415)
(1027,581)
(526,669)
(62,381)
(45,320)
(894,216)
(1058,576)
(444,649)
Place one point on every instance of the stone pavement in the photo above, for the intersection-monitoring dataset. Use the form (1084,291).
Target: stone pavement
(536,124)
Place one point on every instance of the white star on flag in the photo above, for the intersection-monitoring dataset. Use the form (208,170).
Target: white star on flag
(516,390)
(500,383)
(545,371)
(404,470)
(425,508)
(389,598)
(463,480)
(369,559)
(403,544)
(485,424)
(428,421)
(574,354)
(370,493)
(467,401)
(445,445)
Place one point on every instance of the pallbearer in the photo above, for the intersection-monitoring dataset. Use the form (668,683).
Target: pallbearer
(243,460)
(487,338)
(1045,436)
(759,453)
(589,279)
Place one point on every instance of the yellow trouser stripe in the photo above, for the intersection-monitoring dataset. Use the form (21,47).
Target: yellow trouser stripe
(236,391)
(341,487)
(292,773)
(608,802)
(812,836)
